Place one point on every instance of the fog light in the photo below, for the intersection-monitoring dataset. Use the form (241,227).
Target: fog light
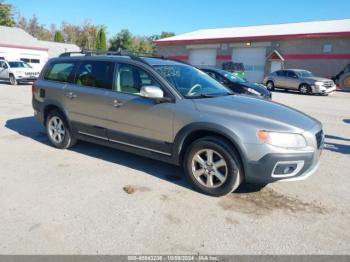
(287,169)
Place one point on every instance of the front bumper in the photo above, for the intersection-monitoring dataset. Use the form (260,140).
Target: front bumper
(26,78)
(264,171)
(321,89)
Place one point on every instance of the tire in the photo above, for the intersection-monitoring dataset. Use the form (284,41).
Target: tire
(270,85)
(305,89)
(13,80)
(217,177)
(58,130)
(344,82)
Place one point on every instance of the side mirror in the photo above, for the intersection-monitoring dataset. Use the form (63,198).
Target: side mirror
(152,92)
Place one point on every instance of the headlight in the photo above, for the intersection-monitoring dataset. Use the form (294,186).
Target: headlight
(251,90)
(285,140)
(319,83)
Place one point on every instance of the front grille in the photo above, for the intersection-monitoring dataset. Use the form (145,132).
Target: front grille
(319,139)
(31,73)
(328,84)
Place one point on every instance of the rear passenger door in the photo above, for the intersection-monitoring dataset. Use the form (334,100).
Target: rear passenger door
(85,98)
(292,80)
(280,79)
(135,120)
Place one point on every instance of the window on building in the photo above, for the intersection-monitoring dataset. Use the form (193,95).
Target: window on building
(327,48)
(28,60)
(60,72)
(97,74)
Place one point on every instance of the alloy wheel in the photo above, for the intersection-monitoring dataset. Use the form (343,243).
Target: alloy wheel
(209,168)
(56,129)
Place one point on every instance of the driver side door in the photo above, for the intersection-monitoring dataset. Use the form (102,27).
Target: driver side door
(135,120)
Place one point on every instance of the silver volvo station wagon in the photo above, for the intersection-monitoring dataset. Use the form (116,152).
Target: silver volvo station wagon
(173,112)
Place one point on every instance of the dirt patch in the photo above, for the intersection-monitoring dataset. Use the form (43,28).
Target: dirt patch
(129,189)
(164,197)
(267,201)
(173,219)
(231,221)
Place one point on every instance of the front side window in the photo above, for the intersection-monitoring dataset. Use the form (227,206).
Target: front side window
(131,79)
(191,82)
(305,74)
(97,74)
(60,72)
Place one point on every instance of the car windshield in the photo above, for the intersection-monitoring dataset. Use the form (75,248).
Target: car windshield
(19,65)
(304,74)
(232,77)
(191,82)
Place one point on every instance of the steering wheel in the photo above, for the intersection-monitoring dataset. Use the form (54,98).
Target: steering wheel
(191,92)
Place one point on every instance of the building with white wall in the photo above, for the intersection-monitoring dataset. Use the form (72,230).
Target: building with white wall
(16,44)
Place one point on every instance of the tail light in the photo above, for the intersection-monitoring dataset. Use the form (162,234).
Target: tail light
(33,88)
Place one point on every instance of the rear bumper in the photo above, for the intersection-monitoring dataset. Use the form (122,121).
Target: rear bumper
(270,168)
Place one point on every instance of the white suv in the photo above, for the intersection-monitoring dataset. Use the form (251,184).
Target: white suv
(17,71)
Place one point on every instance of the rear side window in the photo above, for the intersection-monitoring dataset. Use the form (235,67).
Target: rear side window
(97,74)
(281,73)
(60,72)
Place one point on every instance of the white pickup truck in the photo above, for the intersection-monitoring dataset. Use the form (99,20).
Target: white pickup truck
(17,71)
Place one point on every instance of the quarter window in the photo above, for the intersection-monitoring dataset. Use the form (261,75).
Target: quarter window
(131,79)
(60,72)
(97,74)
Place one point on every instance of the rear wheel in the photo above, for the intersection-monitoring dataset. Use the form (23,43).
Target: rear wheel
(13,80)
(270,85)
(213,167)
(58,130)
(305,89)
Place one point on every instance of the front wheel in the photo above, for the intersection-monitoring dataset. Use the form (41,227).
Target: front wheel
(13,80)
(58,130)
(213,167)
(270,85)
(305,89)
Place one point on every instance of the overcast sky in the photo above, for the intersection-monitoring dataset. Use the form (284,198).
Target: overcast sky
(147,17)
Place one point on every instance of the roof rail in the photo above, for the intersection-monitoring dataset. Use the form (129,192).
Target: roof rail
(134,55)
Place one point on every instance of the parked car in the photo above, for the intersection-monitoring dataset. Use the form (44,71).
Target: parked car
(17,71)
(173,112)
(237,84)
(303,81)
(343,78)
(236,69)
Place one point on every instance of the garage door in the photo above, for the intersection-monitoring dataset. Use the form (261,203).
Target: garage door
(253,60)
(203,57)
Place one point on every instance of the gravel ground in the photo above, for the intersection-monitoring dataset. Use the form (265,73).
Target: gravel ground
(96,200)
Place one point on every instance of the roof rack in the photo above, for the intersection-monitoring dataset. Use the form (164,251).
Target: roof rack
(134,55)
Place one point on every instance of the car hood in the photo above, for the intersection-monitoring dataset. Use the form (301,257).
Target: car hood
(262,90)
(317,79)
(260,111)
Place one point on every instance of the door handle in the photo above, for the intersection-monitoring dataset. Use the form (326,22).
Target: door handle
(71,95)
(117,104)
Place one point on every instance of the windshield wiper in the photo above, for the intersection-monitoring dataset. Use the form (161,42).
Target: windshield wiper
(210,95)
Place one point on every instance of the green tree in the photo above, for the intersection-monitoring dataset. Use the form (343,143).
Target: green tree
(101,42)
(6,14)
(165,34)
(123,40)
(58,37)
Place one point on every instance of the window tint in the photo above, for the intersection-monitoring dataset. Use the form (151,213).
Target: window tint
(131,78)
(2,64)
(60,71)
(281,73)
(97,74)
(291,74)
